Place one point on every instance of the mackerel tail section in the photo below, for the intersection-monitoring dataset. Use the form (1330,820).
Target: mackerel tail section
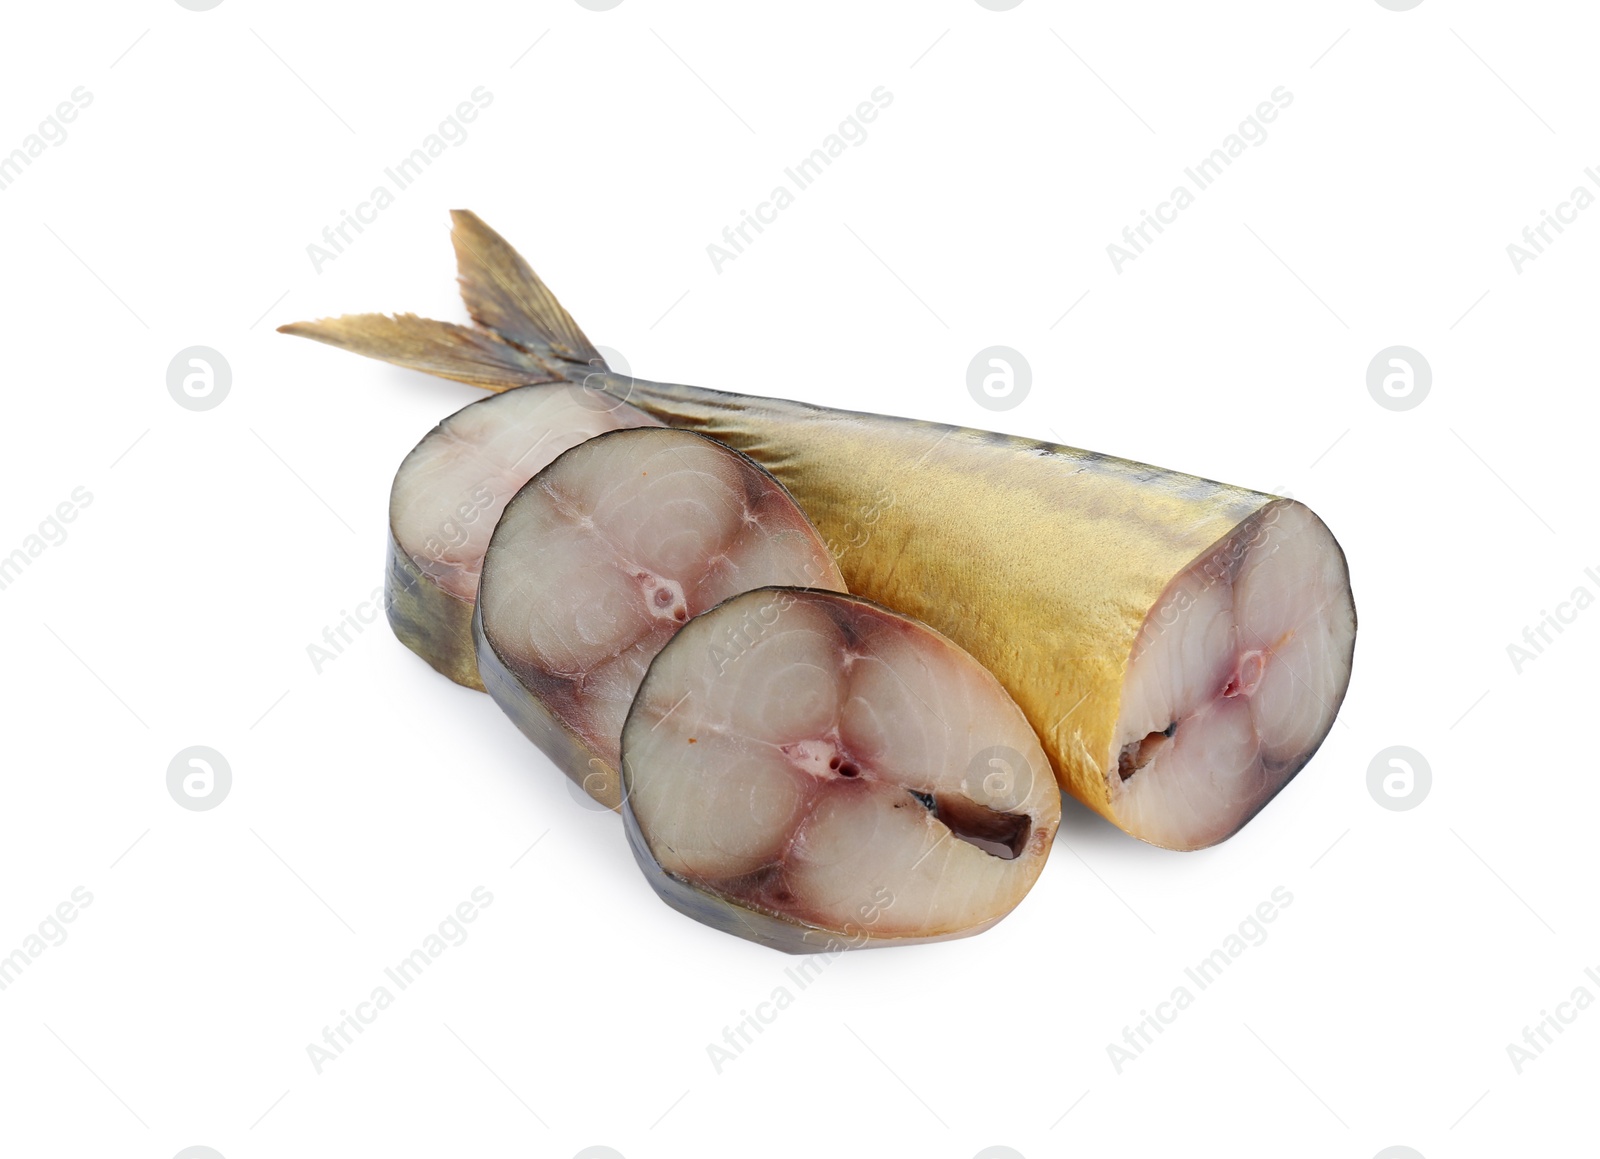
(523,335)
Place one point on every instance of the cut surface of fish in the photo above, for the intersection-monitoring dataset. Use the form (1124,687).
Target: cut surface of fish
(601,558)
(1233,681)
(449,493)
(814,772)
(1093,587)
(1054,566)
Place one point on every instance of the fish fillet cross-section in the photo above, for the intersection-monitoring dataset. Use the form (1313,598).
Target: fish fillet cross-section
(601,558)
(448,495)
(1180,646)
(814,772)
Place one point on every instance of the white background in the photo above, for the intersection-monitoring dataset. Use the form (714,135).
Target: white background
(372,797)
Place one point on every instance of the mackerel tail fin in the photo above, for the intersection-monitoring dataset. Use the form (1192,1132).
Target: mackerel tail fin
(523,335)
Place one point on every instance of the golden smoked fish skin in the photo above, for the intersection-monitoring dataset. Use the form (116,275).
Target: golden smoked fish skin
(1043,561)
(1181,646)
